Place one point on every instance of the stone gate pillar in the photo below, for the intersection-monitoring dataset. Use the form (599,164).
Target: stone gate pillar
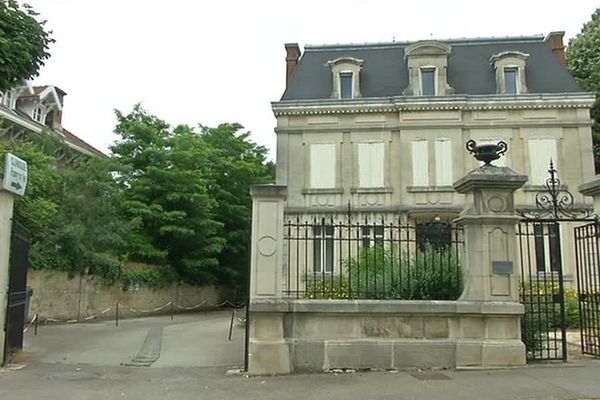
(268,351)
(490,267)
(491,335)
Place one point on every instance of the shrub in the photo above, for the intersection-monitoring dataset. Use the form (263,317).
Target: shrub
(383,273)
(150,276)
(542,314)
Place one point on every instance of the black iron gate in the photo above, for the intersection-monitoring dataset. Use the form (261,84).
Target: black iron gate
(542,286)
(542,290)
(17,290)
(587,261)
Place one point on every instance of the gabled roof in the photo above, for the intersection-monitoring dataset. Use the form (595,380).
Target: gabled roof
(73,141)
(76,140)
(385,72)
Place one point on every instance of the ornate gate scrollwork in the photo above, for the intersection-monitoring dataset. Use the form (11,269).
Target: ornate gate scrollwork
(556,202)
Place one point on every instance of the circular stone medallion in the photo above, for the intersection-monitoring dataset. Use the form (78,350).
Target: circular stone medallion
(495,204)
(267,245)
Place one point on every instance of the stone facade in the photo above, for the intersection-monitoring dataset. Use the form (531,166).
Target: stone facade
(419,141)
(393,147)
(515,121)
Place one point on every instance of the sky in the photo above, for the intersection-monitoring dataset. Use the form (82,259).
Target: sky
(210,62)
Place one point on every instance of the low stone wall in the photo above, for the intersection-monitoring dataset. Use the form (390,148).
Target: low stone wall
(312,335)
(57,296)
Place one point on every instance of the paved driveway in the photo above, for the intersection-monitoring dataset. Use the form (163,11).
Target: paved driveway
(190,340)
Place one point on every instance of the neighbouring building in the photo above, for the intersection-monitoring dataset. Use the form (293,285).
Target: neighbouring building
(380,130)
(27,110)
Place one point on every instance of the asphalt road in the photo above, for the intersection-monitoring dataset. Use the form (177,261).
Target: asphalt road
(190,356)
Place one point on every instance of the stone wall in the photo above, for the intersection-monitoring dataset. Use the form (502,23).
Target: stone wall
(56,295)
(317,335)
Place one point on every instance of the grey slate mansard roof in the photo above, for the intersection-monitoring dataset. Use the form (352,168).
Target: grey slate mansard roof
(385,72)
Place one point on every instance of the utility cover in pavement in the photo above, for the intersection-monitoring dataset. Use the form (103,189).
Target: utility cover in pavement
(15,174)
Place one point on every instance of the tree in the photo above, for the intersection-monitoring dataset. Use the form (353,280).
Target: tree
(163,172)
(236,164)
(72,214)
(38,208)
(583,58)
(24,43)
(89,232)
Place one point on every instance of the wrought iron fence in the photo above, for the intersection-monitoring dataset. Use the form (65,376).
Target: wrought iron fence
(587,254)
(349,257)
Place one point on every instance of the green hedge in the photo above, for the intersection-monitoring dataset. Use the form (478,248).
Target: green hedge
(384,274)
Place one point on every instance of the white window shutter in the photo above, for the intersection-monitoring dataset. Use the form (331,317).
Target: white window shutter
(420,163)
(376,169)
(364,165)
(322,166)
(370,164)
(443,162)
(541,151)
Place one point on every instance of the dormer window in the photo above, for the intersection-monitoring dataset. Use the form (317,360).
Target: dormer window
(38,113)
(510,80)
(428,81)
(346,85)
(510,72)
(346,77)
(8,99)
(427,69)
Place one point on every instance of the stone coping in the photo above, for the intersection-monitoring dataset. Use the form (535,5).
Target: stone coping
(490,177)
(268,190)
(590,188)
(409,307)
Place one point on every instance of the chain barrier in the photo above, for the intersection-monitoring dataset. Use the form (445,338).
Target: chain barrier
(119,307)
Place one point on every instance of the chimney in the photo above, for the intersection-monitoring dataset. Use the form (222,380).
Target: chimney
(292,56)
(555,41)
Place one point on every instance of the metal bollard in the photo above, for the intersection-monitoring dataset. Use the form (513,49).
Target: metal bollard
(37,323)
(117,314)
(231,323)
(172,311)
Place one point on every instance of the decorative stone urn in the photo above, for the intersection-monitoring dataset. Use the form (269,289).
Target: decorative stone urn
(487,152)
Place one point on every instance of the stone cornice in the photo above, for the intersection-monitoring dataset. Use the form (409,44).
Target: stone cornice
(440,103)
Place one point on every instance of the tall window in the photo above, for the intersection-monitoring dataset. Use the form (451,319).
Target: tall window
(541,151)
(443,162)
(346,85)
(323,248)
(370,165)
(372,236)
(510,80)
(420,163)
(428,81)
(38,113)
(322,166)
(547,247)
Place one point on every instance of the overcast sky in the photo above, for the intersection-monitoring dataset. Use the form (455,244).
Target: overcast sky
(193,61)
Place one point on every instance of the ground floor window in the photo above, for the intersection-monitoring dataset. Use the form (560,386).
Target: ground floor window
(323,248)
(547,247)
(437,235)
(372,236)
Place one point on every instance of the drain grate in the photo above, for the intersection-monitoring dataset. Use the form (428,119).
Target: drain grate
(430,376)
